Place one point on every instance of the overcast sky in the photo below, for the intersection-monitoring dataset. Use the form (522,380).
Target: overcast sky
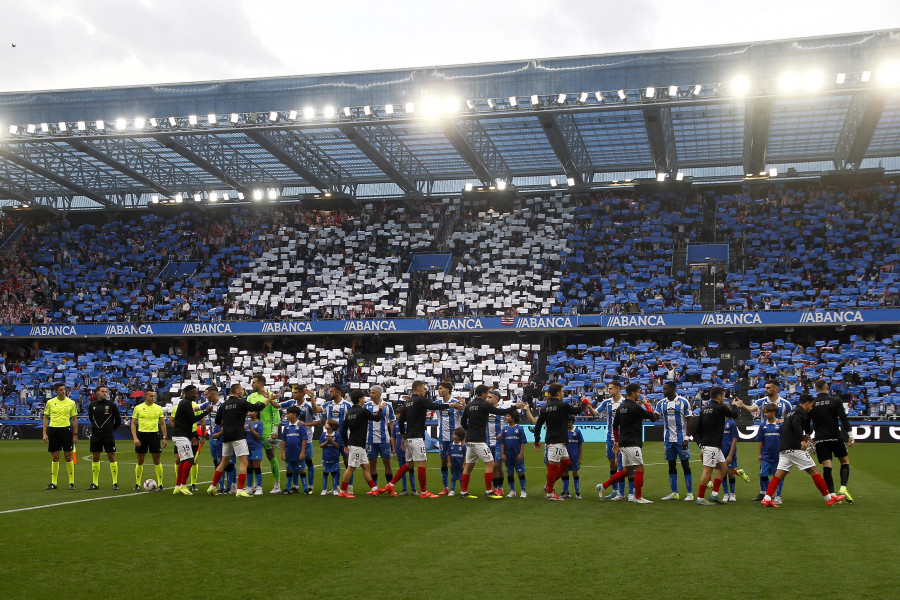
(99,43)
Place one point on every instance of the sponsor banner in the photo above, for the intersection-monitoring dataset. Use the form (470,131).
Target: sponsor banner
(505,323)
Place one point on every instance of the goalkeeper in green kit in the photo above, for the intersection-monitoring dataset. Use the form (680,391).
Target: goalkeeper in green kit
(270,416)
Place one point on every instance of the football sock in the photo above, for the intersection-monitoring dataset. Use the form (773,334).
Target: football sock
(773,485)
(138,473)
(551,476)
(114,472)
(344,485)
(717,483)
(498,482)
(725,486)
(565,480)
(820,483)
(276,472)
(334,480)
(241,480)
(615,478)
(387,476)
(445,473)
(54,472)
(511,480)
(194,470)
(577,482)
(701,491)
(311,469)
(375,478)
(159,474)
(324,481)
(422,479)
(829,479)
(731,484)
(259,478)
(464,483)
(673,482)
(638,483)
(288,479)
(231,478)
(763,484)
(400,473)
(371,483)
(845,474)
(303,480)
(351,477)
(488,481)
(412,481)
(631,485)
(95,472)
(780,485)
(522,481)
(688,476)
(70,471)
(453,480)
(217,476)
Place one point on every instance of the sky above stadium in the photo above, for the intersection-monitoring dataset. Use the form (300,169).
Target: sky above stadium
(60,44)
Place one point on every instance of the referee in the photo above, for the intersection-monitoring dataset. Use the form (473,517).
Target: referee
(62,416)
(105,420)
(147,423)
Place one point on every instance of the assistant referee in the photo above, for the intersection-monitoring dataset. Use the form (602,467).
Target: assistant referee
(62,433)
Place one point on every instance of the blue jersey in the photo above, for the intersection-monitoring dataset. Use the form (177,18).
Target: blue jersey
(494,429)
(379,431)
(293,436)
(448,421)
(770,435)
(252,442)
(308,415)
(336,411)
(674,415)
(607,410)
(331,454)
(784,407)
(574,444)
(513,440)
(457,456)
(728,435)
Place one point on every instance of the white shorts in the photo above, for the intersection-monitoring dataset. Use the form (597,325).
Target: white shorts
(183,446)
(476,451)
(415,450)
(789,459)
(556,453)
(357,456)
(631,456)
(712,456)
(237,447)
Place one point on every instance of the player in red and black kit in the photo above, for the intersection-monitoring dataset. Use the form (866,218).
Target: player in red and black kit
(628,433)
(832,432)
(354,430)
(793,453)
(474,421)
(556,415)
(708,435)
(411,422)
(183,434)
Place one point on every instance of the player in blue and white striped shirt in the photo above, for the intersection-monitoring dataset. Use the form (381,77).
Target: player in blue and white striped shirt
(607,411)
(310,416)
(773,396)
(379,441)
(448,421)
(676,417)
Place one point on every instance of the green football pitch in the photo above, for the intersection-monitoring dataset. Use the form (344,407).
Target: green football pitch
(71,544)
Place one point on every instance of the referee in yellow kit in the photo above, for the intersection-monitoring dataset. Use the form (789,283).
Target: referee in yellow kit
(62,416)
(148,428)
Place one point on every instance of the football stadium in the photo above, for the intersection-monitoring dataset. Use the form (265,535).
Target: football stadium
(591,283)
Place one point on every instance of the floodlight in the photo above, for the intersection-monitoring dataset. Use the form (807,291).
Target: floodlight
(788,82)
(154,122)
(179,197)
(561,99)
(235,118)
(154,198)
(367,110)
(660,177)
(570,182)
(13,129)
(45,127)
(192,120)
(673,91)
(470,104)
(622,95)
(773,172)
(140,122)
(225,197)
(501,185)
(650,92)
(240,195)
(599,96)
(197,197)
(740,85)
(468,187)
(257,194)
(582,97)
(679,176)
(813,79)
(535,100)
(273,193)
(81,125)
(865,76)
(63,126)
(213,197)
(697,89)
(120,124)
(100,125)
(840,78)
(762,173)
(513,101)
(172,122)
(212,119)
(292,116)
(889,74)
(430,106)
(451,104)
(553,183)
(31,128)
(309,113)
(273,116)
(388,109)
(347,111)
(410,108)
(490,103)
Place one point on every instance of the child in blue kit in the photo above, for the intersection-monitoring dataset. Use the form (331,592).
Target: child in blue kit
(573,447)
(512,452)
(254,430)
(769,438)
(215,449)
(457,458)
(331,444)
(293,452)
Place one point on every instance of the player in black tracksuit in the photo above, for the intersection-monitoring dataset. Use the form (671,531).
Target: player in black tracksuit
(105,420)
(230,416)
(628,433)
(708,435)
(556,416)
(354,430)
(474,420)
(832,430)
(793,453)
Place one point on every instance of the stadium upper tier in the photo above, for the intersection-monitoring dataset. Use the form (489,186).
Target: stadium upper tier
(792,249)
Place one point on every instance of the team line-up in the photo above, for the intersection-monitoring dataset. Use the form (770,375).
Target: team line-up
(359,431)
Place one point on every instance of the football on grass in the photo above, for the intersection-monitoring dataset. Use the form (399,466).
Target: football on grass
(149,485)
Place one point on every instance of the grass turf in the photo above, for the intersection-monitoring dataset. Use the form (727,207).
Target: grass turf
(155,545)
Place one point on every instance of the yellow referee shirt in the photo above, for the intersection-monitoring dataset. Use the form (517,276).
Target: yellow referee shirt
(60,411)
(147,417)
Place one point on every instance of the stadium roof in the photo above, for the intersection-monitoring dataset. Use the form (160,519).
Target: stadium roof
(712,113)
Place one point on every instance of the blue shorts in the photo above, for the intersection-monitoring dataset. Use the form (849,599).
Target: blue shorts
(382,450)
(767,469)
(674,451)
(497,452)
(309,451)
(456,471)
(256,454)
(609,449)
(515,465)
(574,467)
(294,465)
(331,467)
(216,451)
(733,463)
(445,449)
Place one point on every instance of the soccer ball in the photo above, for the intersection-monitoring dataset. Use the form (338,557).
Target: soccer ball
(149,485)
